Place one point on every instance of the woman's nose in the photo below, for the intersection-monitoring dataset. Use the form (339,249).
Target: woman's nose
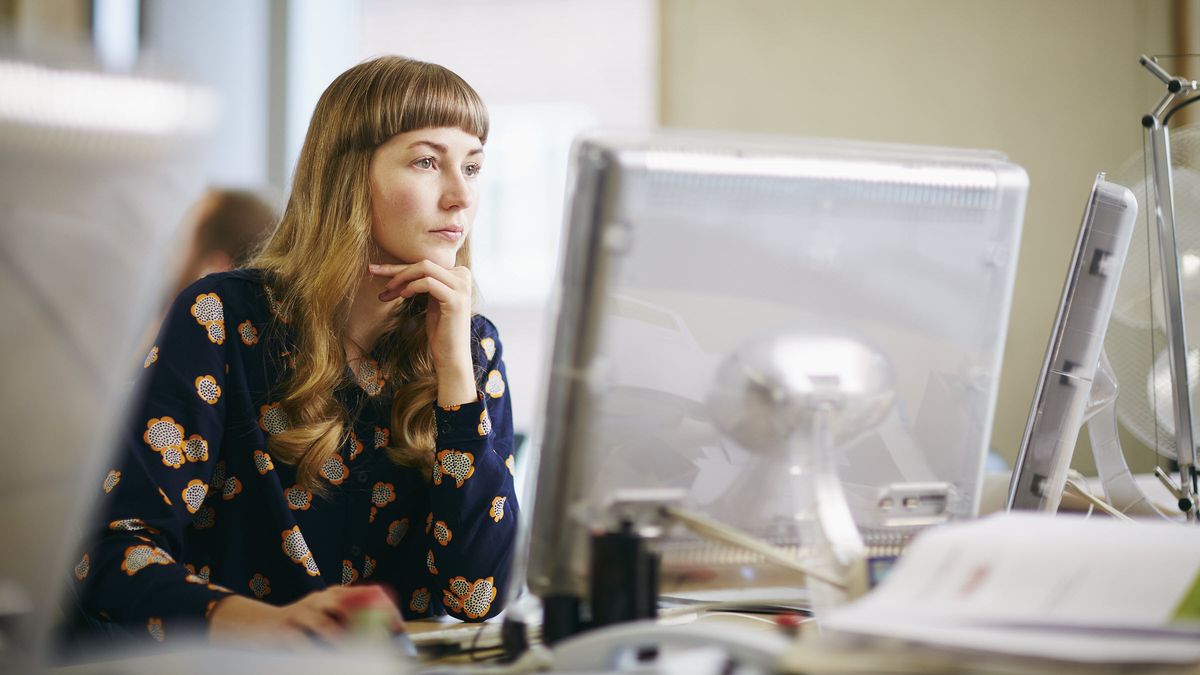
(457,192)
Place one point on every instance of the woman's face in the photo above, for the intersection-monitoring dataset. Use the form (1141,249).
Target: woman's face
(424,193)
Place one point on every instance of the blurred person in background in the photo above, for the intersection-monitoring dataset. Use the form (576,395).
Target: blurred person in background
(220,232)
(226,226)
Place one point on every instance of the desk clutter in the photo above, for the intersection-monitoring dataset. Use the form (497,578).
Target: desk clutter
(1014,592)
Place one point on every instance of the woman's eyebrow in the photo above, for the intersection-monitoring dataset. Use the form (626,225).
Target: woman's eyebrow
(438,147)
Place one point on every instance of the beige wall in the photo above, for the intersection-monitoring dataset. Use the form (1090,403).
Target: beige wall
(1054,84)
(35,21)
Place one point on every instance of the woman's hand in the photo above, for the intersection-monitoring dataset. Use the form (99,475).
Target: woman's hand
(322,615)
(448,321)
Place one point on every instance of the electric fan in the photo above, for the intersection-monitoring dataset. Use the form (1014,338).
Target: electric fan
(1136,341)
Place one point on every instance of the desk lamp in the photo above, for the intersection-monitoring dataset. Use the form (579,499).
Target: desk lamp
(1180,92)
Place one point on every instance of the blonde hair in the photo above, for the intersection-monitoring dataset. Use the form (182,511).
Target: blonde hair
(315,259)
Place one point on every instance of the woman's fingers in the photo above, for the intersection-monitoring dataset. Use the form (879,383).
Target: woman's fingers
(403,273)
(384,270)
(322,615)
(293,635)
(396,274)
(458,278)
(340,602)
(320,624)
(436,289)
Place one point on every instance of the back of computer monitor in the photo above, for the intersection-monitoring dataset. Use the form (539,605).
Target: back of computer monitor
(684,246)
(90,197)
(1065,383)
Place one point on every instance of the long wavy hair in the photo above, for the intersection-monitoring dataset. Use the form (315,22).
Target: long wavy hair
(315,260)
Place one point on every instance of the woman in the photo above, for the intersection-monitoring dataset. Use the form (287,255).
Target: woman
(333,415)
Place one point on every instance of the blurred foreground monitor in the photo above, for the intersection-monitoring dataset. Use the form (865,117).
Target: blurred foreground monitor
(683,248)
(95,175)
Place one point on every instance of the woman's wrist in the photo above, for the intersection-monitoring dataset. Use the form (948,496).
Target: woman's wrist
(456,384)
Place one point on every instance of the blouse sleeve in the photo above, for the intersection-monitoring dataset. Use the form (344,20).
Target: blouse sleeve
(471,528)
(132,572)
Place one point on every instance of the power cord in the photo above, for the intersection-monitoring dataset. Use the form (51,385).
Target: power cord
(1075,485)
(712,529)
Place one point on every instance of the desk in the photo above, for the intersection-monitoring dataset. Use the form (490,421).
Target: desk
(812,653)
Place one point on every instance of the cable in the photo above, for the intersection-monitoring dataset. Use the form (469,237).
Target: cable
(1082,492)
(474,649)
(707,527)
(732,607)
(1167,118)
(742,615)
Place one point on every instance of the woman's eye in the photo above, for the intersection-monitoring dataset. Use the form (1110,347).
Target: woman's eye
(425,163)
(473,169)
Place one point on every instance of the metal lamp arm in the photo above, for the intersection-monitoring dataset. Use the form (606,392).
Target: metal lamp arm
(1159,143)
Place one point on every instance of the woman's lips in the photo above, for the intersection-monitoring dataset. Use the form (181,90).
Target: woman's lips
(449,234)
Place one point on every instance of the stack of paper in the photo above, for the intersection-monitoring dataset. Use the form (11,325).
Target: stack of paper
(1079,589)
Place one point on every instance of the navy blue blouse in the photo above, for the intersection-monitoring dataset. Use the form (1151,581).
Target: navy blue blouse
(197,508)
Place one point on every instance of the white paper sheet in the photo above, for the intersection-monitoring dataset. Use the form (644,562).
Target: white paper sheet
(1092,590)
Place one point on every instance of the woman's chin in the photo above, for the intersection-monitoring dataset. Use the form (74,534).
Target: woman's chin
(444,258)
(436,257)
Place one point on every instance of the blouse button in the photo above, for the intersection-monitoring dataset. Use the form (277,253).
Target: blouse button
(362,477)
(356,550)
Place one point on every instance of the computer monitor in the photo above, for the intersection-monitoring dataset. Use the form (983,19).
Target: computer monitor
(683,246)
(1076,341)
(91,193)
